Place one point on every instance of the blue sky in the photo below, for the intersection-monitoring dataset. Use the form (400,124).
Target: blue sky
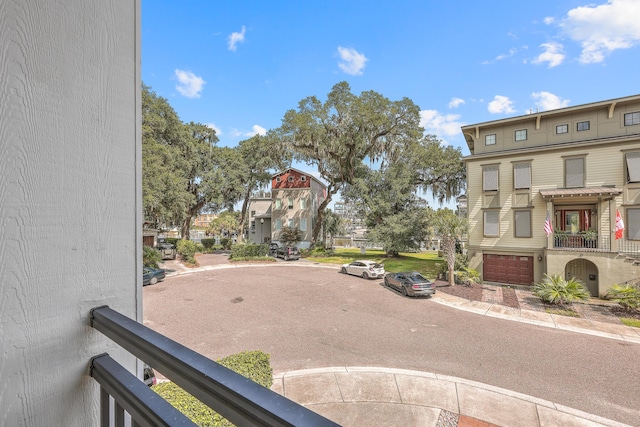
(239,66)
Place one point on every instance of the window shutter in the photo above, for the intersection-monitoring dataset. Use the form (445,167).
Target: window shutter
(633,167)
(574,171)
(522,176)
(490,178)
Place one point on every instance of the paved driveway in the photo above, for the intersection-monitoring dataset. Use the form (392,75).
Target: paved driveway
(311,317)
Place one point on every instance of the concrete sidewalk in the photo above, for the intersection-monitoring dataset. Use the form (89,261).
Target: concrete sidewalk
(357,396)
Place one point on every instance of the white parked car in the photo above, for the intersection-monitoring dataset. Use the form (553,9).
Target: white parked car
(364,268)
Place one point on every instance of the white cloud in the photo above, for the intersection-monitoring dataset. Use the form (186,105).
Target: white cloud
(548,101)
(456,102)
(553,54)
(255,130)
(502,56)
(604,28)
(501,104)
(214,127)
(236,38)
(258,130)
(440,124)
(549,20)
(189,84)
(353,62)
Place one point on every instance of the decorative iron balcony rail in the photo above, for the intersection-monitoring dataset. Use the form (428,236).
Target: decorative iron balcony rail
(628,248)
(238,399)
(589,243)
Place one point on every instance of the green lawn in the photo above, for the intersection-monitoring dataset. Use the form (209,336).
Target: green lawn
(427,263)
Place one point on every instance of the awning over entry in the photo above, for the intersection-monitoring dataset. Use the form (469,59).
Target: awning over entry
(560,193)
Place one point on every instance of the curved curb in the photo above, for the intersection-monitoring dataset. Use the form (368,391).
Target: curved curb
(331,390)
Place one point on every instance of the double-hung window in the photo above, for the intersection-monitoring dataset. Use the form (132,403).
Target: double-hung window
(491,223)
(278,203)
(632,223)
(522,176)
(290,202)
(574,172)
(490,178)
(278,224)
(290,223)
(303,203)
(303,224)
(522,222)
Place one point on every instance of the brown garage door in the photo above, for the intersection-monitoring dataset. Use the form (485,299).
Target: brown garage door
(511,269)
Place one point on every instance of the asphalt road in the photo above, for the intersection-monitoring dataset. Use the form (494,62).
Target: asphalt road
(311,317)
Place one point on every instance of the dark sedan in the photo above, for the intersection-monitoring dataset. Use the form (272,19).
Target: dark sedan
(410,283)
(151,276)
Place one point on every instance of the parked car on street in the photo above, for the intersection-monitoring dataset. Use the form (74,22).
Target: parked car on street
(273,249)
(151,276)
(167,250)
(364,268)
(288,252)
(410,283)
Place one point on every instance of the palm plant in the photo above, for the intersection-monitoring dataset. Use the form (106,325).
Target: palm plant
(628,296)
(554,289)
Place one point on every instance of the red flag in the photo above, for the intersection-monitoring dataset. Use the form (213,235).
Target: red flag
(619,225)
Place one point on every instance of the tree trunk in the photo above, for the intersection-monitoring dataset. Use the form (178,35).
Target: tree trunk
(450,249)
(243,215)
(318,224)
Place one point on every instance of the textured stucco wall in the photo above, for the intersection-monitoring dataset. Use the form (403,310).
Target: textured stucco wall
(70,227)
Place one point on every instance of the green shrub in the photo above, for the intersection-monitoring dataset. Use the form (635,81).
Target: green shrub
(249,250)
(628,296)
(468,276)
(254,365)
(150,257)
(208,244)
(188,249)
(226,243)
(554,289)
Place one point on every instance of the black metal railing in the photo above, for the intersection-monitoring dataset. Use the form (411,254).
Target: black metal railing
(585,242)
(630,249)
(238,399)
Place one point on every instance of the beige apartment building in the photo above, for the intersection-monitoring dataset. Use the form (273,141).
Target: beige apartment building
(578,165)
(293,201)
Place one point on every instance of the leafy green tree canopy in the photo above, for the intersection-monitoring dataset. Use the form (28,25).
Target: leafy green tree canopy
(339,134)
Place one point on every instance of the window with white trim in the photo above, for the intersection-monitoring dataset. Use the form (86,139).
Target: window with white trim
(521,135)
(562,129)
(574,172)
(278,224)
(490,178)
(303,224)
(290,179)
(582,126)
(277,179)
(632,223)
(303,178)
(632,166)
(522,223)
(303,203)
(522,176)
(490,139)
(491,223)
(290,223)
(632,119)
(290,202)
(278,203)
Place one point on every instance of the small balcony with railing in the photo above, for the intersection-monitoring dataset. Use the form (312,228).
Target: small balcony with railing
(589,241)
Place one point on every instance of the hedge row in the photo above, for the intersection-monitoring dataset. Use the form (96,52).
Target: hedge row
(254,365)
(249,250)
